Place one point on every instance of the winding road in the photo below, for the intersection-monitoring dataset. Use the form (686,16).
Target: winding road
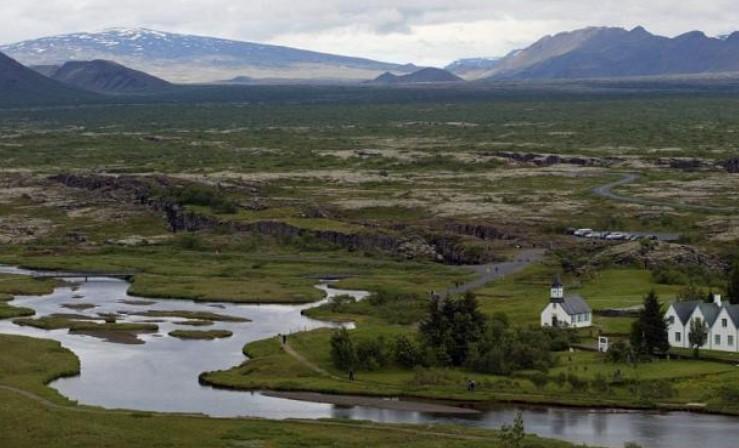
(495,271)
(606,191)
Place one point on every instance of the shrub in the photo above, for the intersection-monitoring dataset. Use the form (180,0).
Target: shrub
(339,303)
(372,354)
(406,352)
(343,355)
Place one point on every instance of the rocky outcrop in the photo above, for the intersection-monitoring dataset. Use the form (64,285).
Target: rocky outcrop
(481,231)
(732,165)
(656,254)
(552,159)
(446,246)
(685,164)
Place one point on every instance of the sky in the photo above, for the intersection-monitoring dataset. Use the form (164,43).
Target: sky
(426,32)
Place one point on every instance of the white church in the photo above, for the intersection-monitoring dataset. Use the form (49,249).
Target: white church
(721,320)
(571,311)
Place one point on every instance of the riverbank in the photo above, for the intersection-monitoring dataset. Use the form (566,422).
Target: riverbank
(657,386)
(33,415)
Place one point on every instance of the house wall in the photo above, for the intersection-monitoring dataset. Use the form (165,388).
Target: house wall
(724,332)
(713,331)
(586,321)
(676,327)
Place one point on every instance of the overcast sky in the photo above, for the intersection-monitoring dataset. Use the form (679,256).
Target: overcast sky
(430,32)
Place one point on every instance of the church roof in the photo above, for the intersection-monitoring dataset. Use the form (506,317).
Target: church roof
(574,304)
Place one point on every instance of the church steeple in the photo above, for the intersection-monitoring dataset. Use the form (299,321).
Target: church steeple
(557,291)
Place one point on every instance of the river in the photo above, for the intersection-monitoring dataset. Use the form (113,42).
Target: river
(162,375)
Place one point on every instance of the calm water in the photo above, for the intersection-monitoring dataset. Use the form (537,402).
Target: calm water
(162,375)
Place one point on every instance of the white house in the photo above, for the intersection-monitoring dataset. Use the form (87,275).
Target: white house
(569,311)
(722,322)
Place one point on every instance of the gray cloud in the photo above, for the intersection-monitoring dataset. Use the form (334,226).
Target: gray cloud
(423,31)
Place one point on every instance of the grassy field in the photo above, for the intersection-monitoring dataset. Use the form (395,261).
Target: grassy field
(280,276)
(11,285)
(579,379)
(208,335)
(26,365)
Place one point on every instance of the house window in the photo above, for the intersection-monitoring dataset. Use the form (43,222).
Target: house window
(717,339)
(730,340)
(724,323)
(677,336)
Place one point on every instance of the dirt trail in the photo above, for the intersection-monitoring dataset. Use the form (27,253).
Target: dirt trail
(301,359)
(488,273)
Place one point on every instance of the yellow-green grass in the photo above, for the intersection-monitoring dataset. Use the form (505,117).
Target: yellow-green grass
(193,315)
(252,276)
(57,323)
(271,367)
(12,285)
(522,296)
(288,215)
(209,289)
(27,365)
(208,335)
(588,365)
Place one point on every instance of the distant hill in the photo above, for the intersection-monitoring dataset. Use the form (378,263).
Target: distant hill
(46,70)
(21,86)
(423,76)
(184,58)
(239,80)
(107,77)
(472,68)
(616,52)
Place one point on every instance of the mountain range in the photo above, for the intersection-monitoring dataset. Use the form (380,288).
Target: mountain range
(103,77)
(19,85)
(423,76)
(185,58)
(68,69)
(472,68)
(599,52)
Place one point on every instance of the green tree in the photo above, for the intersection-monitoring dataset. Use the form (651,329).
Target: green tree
(732,289)
(512,435)
(649,331)
(343,354)
(451,327)
(698,335)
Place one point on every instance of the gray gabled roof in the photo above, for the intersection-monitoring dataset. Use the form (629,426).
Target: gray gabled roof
(574,304)
(710,312)
(733,311)
(685,309)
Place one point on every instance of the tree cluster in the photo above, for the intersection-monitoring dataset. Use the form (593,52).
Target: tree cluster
(455,334)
